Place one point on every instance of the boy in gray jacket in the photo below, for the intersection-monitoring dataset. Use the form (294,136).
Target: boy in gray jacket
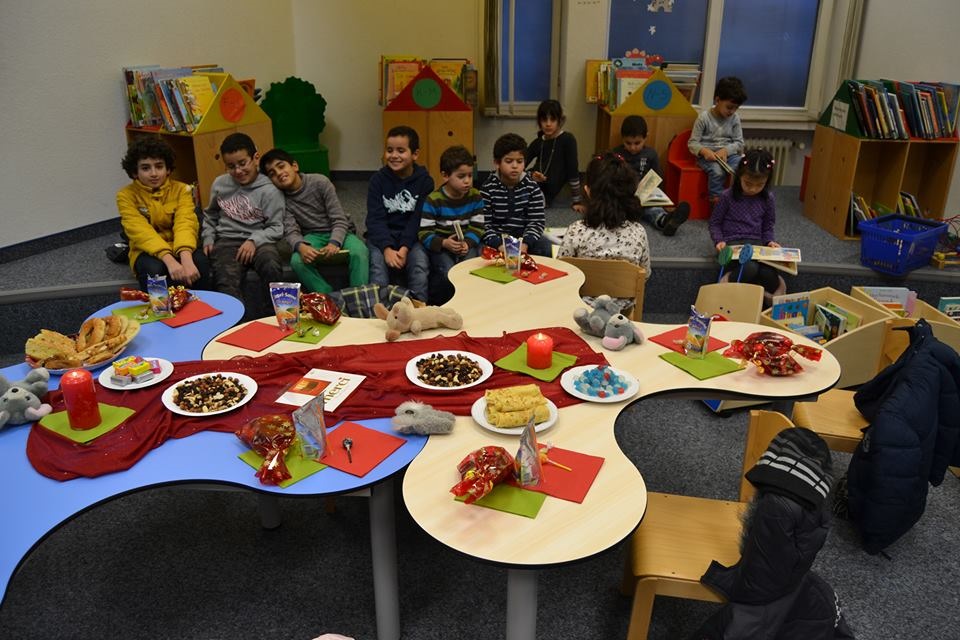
(243,221)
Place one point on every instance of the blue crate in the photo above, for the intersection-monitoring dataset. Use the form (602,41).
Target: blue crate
(896,244)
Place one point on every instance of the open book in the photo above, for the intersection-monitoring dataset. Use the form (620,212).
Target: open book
(780,258)
(723,165)
(650,193)
(340,257)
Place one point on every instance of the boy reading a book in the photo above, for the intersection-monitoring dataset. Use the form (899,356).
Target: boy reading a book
(512,201)
(314,223)
(394,200)
(451,223)
(717,137)
(243,222)
(633,133)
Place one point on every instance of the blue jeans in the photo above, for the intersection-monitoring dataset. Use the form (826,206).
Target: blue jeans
(440,264)
(717,177)
(415,270)
(653,216)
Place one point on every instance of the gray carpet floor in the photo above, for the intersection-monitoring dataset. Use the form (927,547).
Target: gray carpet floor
(187,563)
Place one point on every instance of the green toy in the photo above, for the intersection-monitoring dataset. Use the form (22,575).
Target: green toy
(297,113)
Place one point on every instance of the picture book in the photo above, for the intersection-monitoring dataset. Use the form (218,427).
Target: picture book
(650,193)
(335,386)
(831,324)
(790,306)
(894,298)
(396,72)
(726,167)
(783,258)
(950,305)
(853,319)
(198,92)
(340,257)
(450,71)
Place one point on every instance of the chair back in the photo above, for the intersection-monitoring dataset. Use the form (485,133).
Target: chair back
(762,428)
(677,150)
(737,301)
(615,277)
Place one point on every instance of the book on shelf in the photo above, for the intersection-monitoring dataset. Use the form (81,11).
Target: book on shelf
(628,81)
(950,305)
(790,307)
(783,258)
(396,72)
(198,94)
(852,319)
(896,109)
(336,386)
(830,323)
(650,193)
(174,98)
(899,300)
(810,331)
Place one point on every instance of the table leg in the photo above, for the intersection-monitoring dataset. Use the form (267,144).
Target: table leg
(269,507)
(383,552)
(521,604)
(783,406)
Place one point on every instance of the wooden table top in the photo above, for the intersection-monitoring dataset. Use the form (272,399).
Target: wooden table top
(563,531)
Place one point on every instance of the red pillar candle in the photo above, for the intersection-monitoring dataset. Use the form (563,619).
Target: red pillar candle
(80,397)
(539,351)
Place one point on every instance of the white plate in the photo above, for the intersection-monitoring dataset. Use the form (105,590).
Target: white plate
(413,374)
(479,413)
(248,383)
(166,368)
(566,381)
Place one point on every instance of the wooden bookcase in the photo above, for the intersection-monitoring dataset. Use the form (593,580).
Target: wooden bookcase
(198,153)
(842,162)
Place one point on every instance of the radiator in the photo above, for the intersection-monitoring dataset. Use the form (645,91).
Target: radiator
(779,147)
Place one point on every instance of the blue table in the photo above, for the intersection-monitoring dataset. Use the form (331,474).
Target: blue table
(38,505)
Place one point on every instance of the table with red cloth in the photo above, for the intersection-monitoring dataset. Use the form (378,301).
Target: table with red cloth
(385,387)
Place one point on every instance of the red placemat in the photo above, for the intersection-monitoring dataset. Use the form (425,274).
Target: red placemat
(541,275)
(193,311)
(369,448)
(256,336)
(669,340)
(571,485)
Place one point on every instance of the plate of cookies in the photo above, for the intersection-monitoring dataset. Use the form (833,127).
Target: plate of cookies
(99,341)
(508,409)
(448,370)
(209,394)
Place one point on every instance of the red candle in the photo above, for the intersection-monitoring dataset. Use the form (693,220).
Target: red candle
(80,397)
(539,351)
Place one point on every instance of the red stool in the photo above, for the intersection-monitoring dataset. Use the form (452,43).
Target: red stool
(686,181)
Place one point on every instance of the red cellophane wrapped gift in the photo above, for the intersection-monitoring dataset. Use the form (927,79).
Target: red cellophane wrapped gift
(481,470)
(771,352)
(270,436)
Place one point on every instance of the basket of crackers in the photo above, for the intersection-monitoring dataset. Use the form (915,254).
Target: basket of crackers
(98,341)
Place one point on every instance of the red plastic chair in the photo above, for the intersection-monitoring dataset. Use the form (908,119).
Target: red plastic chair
(686,181)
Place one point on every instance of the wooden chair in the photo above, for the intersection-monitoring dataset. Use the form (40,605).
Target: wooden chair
(686,181)
(736,301)
(680,535)
(616,278)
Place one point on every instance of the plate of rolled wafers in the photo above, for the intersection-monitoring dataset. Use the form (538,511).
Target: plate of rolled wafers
(97,343)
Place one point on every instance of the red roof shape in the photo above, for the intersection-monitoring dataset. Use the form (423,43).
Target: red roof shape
(448,99)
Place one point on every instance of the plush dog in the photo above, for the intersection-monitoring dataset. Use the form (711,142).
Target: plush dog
(594,322)
(405,317)
(20,401)
(620,332)
(420,418)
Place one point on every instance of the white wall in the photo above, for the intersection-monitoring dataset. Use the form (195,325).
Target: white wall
(913,41)
(61,99)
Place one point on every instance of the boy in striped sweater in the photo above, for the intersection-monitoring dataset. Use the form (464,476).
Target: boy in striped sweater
(512,201)
(451,223)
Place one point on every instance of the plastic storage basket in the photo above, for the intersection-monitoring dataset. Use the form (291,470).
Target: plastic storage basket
(896,244)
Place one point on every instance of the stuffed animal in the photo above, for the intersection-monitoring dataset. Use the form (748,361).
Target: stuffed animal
(594,322)
(20,401)
(406,317)
(620,332)
(417,417)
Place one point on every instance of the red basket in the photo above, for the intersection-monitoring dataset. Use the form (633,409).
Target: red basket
(896,244)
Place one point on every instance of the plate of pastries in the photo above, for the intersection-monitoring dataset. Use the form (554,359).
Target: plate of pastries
(508,409)
(99,341)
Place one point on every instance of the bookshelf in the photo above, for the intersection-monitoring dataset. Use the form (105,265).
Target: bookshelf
(198,153)
(844,161)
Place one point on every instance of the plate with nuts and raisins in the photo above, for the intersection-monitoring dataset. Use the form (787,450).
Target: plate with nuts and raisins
(448,370)
(209,394)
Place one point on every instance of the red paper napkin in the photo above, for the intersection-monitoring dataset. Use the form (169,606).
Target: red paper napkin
(369,448)
(193,311)
(256,336)
(570,485)
(541,275)
(668,339)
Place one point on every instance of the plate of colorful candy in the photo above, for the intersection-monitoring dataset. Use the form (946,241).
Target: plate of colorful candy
(599,383)
(134,372)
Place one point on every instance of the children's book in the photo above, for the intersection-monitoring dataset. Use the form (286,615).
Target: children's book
(650,193)
(723,165)
(335,386)
(791,307)
(340,257)
(830,323)
(450,71)
(950,305)
(853,319)
(783,258)
(900,300)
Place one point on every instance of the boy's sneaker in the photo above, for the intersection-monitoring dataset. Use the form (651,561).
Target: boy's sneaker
(676,218)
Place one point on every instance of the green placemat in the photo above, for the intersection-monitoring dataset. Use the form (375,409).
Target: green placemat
(517,361)
(505,497)
(311,336)
(298,466)
(110,415)
(711,366)
(139,312)
(495,273)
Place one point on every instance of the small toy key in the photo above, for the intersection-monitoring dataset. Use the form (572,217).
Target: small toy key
(348,444)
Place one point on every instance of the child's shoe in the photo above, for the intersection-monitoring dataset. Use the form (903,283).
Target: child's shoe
(675,218)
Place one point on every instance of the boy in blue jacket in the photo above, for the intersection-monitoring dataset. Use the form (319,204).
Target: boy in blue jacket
(394,200)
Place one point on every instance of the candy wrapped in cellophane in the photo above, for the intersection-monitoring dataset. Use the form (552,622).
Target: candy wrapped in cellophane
(270,436)
(480,470)
(771,353)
